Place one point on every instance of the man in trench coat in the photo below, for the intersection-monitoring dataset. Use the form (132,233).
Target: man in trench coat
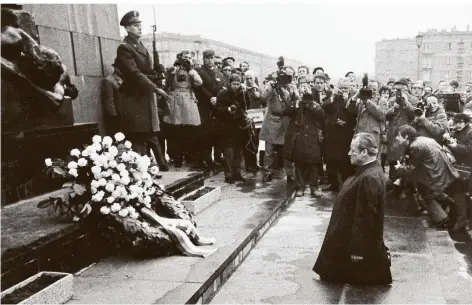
(138,104)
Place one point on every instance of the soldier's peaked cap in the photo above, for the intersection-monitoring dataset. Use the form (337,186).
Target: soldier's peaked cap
(129,18)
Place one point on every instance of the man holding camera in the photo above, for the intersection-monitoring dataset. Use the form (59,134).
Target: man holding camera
(277,99)
(370,113)
(431,119)
(236,127)
(338,134)
(138,104)
(401,112)
(303,142)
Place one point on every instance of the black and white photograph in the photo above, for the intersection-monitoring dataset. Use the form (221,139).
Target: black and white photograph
(236,152)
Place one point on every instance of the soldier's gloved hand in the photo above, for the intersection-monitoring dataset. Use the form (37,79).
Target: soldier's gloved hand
(162,93)
(213,100)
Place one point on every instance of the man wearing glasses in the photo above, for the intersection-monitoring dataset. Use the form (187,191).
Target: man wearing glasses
(218,62)
(418,91)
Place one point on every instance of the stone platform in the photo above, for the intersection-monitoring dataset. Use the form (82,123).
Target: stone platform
(33,241)
(237,221)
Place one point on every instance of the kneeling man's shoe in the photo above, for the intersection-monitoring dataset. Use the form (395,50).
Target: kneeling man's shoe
(229,180)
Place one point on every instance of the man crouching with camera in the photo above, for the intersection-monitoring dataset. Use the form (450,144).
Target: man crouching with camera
(232,119)
(302,140)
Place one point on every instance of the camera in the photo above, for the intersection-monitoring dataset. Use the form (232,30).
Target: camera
(282,77)
(365,93)
(421,107)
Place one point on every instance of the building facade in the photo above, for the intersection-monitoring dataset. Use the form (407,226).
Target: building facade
(443,55)
(170,44)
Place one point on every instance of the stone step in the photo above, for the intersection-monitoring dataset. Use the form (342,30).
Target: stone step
(33,241)
(238,221)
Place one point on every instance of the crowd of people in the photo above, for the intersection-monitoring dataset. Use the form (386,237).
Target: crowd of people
(199,116)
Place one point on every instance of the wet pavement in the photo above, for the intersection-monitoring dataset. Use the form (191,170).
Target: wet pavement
(428,266)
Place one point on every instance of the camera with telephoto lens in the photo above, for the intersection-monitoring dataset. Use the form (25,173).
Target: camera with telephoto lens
(365,93)
(282,77)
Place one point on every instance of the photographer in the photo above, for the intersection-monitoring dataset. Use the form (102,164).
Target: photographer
(431,119)
(302,140)
(277,99)
(232,120)
(461,147)
(184,116)
(338,134)
(431,170)
(370,113)
(401,112)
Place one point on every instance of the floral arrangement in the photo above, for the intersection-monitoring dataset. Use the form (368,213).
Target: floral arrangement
(109,180)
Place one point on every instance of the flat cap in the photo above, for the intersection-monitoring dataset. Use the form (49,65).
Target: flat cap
(229,58)
(402,81)
(391,80)
(208,53)
(347,74)
(130,18)
(327,76)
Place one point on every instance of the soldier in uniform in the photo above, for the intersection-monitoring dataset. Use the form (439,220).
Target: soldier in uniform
(138,103)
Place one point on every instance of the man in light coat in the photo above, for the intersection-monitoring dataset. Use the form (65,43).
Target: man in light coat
(277,100)
(370,114)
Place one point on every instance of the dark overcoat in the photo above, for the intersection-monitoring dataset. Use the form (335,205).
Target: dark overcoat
(302,137)
(212,83)
(138,103)
(356,228)
(232,126)
(338,136)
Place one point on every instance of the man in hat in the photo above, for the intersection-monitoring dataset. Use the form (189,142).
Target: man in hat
(318,71)
(351,76)
(213,82)
(138,104)
(230,60)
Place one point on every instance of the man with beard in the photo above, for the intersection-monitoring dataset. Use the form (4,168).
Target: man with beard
(213,81)
(138,104)
(231,119)
(462,151)
(339,131)
(353,249)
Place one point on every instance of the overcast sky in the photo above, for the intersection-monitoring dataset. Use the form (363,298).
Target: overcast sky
(338,36)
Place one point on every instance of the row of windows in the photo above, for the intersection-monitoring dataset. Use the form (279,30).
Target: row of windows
(428,46)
